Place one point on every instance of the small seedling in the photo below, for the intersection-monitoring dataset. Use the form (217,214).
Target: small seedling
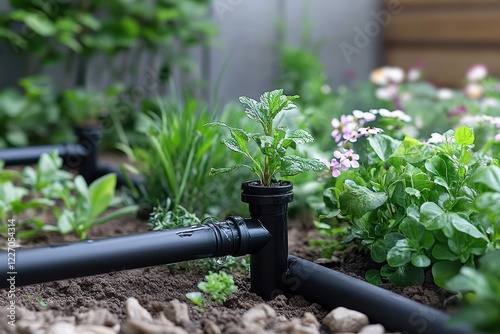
(216,288)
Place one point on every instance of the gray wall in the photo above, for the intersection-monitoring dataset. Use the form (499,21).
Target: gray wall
(249,28)
(243,57)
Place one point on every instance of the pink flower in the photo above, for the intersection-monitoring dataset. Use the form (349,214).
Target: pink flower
(347,159)
(460,110)
(497,137)
(477,72)
(352,137)
(334,166)
(346,124)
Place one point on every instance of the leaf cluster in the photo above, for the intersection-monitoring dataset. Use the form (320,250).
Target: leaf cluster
(42,191)
(272,143)
(418,206)
(216,288)
(480,291)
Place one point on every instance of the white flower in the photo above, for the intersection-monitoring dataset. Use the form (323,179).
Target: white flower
(385,75)
(366,116)
(444,94)
(488,103)
(414,74)
(399,114)
(326,89)
(386,93)
(437,138)
(395,74)
(370,130)
(477,73)
(474,90)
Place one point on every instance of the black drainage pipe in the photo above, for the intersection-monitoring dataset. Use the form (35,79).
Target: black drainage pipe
(269,205)
(332,289)
(81,155)
(234,236)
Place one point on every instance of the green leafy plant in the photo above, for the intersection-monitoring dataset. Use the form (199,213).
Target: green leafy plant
(216,288)
(480,292)
(414,205)
(273,142)
(54,194)
(83,211)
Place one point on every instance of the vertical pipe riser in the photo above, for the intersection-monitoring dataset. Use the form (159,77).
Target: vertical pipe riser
(269,205)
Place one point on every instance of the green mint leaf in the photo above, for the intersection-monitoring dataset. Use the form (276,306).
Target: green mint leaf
(464,135)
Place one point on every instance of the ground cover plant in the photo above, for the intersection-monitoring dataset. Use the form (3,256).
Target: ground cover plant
(413,204)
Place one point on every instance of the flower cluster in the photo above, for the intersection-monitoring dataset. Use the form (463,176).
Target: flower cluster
(343,160)
(349,128)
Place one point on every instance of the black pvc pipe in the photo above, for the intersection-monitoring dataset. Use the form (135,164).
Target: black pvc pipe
(235,236)
(89,137)
(331,289)
(31,154)
(269,205)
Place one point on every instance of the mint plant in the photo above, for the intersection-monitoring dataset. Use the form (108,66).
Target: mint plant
(273,143)
(216,288)
(418,205)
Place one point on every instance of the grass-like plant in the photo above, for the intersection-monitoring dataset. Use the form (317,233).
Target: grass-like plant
(273,142)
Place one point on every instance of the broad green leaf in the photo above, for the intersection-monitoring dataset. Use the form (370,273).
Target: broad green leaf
(65,222)
(357,200)
(232,144)
(412,229)
(420,260)
(464,135)
(383,145)
(412,150)
(407,275)
(432,216)
(400,254)
(465,226)
(293,165)
(443,271)
(373,276)
(253,110)
(378,252)
(441,251)
(489,176)
(413,192)
(195,297)
(102,192)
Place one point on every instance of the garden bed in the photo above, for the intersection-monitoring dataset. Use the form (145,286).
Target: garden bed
(155,287)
